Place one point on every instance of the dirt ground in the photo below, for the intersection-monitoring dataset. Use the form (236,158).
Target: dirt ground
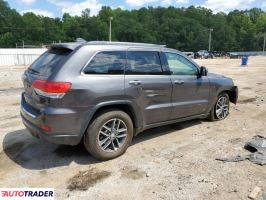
(170,162)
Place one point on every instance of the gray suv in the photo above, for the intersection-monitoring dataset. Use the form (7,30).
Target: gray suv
(105,93)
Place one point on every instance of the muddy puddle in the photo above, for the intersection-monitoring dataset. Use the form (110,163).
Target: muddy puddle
(85,179)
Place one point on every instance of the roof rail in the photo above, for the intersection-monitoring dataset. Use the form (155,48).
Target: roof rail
(123,43)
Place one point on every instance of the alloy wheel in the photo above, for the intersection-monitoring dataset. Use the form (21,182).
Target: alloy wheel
(222,107)
(112,135)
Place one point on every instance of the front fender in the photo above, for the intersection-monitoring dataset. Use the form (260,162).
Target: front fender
(233,94)
(232,91)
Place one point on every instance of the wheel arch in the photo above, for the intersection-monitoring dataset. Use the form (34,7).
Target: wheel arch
(212,116)
(124,106)
(232,93)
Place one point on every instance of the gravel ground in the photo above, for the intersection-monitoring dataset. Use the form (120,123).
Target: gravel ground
(170,162)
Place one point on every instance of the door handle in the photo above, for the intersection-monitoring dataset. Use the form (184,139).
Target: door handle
(135,82)
(179,82)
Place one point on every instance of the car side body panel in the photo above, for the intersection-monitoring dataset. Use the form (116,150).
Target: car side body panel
(190,97)
(156,101)
(153,96)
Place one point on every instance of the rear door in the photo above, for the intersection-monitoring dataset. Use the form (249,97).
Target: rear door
(147,86)
(190,92)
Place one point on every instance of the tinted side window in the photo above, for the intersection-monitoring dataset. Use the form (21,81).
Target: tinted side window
(107,62)
(143,62)
(179,65)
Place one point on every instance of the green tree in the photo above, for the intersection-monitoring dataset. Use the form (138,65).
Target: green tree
(186,29)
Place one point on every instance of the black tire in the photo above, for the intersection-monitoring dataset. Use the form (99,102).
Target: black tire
(91,138)
(213,116)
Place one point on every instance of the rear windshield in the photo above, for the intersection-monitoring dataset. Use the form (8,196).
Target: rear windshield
(48,62)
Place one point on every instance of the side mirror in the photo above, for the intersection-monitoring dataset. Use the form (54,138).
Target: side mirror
(203,71)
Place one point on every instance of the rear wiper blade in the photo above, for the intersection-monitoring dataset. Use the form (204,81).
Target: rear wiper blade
(33,70)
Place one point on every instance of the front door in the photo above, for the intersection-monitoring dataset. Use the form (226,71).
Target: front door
(190,92)
(147,87)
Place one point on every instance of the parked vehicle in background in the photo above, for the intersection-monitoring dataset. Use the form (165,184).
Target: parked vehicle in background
(233,55)
(105,93)
(220,54)
(189,54)
(203,54)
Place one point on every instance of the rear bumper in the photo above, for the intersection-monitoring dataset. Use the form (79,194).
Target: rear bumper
(66,124)
(56,139)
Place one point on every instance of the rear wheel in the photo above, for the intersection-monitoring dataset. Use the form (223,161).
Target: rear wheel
(220,109)
(109,135)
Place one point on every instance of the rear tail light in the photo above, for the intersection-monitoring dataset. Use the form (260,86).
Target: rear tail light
(55,90)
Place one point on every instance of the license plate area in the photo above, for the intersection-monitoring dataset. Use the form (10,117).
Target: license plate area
(28,100)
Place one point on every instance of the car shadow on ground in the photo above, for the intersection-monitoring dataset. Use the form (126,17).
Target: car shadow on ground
(31,153)
(163,130)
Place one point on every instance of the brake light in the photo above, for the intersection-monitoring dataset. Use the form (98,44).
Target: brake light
(50,89)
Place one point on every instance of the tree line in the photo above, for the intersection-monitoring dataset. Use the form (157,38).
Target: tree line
(186,29)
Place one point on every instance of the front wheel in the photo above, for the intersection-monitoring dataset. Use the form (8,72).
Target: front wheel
(109,135)
(220,109)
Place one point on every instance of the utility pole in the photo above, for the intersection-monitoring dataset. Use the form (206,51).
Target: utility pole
(23,44)
(210,39)
(110,28)
(264,40)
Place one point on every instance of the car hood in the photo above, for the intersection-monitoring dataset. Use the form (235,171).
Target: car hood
(212,75)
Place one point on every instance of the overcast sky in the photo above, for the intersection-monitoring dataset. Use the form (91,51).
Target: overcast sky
(55,8)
